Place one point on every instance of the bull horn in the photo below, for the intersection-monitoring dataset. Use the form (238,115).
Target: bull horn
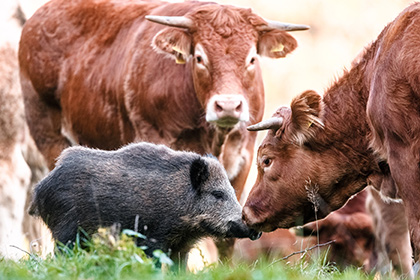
(175,21)
(272,123)
(271,25)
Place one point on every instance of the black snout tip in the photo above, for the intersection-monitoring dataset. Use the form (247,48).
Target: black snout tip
(255,235)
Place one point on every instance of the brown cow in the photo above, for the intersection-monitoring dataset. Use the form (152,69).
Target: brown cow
(321,151)
(96,73)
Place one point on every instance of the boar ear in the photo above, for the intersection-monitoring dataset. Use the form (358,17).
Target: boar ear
(276,44)
(174,42)
(306,110)
(199,173)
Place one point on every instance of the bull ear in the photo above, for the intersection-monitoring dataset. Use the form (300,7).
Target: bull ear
(306,110)
(173,42)
(276,44)
(199,173)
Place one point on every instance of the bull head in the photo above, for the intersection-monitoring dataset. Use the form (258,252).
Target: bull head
(221,45)
(289,180)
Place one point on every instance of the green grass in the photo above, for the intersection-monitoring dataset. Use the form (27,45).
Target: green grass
(110,257)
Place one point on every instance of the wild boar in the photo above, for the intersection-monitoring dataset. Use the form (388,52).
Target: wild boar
(174,197)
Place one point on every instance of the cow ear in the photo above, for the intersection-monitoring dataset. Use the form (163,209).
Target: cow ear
(173,42)
(199,173)
(306,109)
(276,44)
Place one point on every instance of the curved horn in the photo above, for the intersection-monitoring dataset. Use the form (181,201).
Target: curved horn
(175,21)
(272,123)
(271,24)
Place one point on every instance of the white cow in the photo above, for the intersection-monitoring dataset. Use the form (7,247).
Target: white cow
(21,165)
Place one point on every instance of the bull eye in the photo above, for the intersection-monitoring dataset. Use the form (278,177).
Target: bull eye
(251,63)
(267,162)
(219,195)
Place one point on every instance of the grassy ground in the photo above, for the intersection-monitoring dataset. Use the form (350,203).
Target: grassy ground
(110,257)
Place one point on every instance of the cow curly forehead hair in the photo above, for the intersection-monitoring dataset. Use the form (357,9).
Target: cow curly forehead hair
(225,20)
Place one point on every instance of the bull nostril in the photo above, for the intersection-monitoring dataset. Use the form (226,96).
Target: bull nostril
(227,111)
(239,107)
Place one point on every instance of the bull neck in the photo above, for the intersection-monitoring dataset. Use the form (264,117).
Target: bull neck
(344,114)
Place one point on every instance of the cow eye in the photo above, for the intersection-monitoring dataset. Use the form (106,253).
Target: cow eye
(252,61)
(218,195)
(199,59)
(267,162)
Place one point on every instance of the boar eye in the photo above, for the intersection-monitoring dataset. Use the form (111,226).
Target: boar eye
(218,194)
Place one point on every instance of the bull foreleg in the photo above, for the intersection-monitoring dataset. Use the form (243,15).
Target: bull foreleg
(218,141)
(405,171)
(44,121)
(225,248)
(391,231)
(236,157)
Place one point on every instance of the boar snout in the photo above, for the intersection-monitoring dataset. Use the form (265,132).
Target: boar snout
(240,230)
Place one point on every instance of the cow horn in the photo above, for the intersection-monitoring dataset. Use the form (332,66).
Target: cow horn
(175,21)
(271,25)
(272,123)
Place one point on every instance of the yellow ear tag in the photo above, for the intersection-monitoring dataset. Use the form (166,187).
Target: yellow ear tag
(179,55)
(310,123)
(179,60)
(279,48)
(178,50)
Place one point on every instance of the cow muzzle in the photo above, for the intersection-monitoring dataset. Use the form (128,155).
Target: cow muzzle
(256,222)
(227,110)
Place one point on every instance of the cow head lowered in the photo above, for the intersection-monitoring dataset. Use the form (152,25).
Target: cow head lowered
(302,175)
(221,44)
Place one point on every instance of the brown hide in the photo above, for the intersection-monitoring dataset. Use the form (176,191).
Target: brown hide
(365,127)
(96,73)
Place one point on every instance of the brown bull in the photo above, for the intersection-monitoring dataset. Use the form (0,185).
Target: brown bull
(96,73)
(364,130)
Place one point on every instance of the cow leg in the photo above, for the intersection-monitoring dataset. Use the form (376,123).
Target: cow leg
(405,171)
(225,248)
(236,158)
(391,232)
(44,121)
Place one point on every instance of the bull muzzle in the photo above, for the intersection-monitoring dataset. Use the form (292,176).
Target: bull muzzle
(227,110)
(258,222)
